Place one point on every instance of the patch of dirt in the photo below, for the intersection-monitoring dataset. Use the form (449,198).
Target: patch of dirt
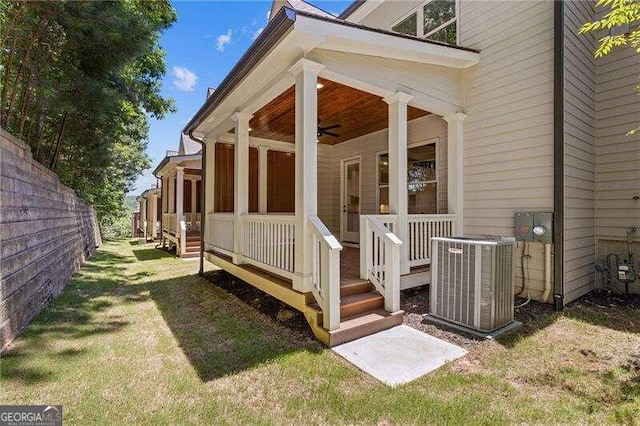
(268,305)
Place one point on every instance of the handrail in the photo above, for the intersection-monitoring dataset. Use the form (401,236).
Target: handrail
(421,229)
(380,260)
(325,272)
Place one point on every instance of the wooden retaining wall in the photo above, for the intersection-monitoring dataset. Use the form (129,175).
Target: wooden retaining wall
(46,233)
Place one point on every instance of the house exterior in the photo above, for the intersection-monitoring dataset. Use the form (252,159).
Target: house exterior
(149,214)
(338,147)
(180,175)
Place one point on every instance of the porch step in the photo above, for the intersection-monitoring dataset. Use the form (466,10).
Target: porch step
(360,303)
(364,324)
(355,288)
(193,244)
(190,254)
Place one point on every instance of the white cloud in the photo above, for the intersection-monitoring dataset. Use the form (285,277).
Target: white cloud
(257,32)
(268,14)
(184,79)
(223,40)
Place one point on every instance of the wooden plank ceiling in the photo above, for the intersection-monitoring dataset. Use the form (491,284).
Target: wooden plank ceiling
(358,112)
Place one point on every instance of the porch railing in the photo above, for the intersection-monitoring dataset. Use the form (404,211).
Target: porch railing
(423,227)
(219,230)
(192,221)
(325,272)
(380,259)
(175,230)
(268,242)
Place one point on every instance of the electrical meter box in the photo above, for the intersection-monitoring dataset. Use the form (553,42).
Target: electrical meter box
(534,226)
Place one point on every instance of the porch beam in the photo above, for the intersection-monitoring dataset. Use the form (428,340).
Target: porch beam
(241,181)
(455,169)
(193,195)
(143,217)
(262,178)
(398,197)
(153,201)
(306,185)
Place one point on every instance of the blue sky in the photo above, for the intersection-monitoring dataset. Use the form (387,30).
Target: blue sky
(202,46)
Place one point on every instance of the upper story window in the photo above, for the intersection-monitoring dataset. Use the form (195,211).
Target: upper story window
(435,20)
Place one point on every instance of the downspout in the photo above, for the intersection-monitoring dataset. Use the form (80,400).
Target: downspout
(203,163)
(558,154)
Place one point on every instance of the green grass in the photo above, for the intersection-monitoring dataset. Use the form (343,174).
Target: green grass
(137,337)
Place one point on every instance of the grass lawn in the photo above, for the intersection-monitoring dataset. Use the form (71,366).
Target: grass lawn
(137,337)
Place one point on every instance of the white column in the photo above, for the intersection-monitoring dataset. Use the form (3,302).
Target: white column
(241,180)
(179,193)
(193,195)
(143,217)
(210,164)
(153,201)
(306,139)
(172,194)
(262,179)
(455,169)
(398,197)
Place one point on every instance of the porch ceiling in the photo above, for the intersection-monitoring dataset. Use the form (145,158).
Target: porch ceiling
(358,112)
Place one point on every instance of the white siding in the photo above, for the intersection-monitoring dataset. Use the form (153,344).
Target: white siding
(579,159)
(508,140)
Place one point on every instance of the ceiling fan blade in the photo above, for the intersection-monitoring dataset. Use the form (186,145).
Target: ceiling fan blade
(335,135)
(335,126)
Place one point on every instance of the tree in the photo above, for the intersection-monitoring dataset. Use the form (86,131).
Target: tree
(621,21)
(79,81)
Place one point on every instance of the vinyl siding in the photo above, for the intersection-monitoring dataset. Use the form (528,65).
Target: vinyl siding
(618,155)
(508,164)
(580,150)
(508,138)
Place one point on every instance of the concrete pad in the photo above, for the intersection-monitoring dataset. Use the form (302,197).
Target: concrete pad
(399,355)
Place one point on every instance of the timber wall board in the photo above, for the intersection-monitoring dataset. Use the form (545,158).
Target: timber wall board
(46,233)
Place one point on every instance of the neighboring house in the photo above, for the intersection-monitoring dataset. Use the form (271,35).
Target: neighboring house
(338,146)
(150,205)
(181,188)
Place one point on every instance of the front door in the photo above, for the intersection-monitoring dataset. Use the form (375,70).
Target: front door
(350,216)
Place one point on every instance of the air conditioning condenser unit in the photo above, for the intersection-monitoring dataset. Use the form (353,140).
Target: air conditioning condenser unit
(472,282)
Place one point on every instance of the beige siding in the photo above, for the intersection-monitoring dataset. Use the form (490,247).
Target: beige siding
(618,155)
(579,159)
(389,12)
(508,154)
(366,147)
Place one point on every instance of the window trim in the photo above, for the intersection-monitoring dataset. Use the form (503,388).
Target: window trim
(419,11)
(433,141)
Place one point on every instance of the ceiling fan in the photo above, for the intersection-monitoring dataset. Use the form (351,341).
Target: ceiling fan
(325,130)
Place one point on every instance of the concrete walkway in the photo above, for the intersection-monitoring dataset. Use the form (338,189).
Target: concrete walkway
(399,355)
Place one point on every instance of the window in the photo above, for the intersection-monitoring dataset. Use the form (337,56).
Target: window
(408,26)
(422,182)
(434,20)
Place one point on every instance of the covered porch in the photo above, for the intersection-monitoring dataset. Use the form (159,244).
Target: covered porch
(343,170)
(180,194)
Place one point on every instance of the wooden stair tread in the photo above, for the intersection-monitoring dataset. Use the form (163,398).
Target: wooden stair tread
(355,287)
(364,324)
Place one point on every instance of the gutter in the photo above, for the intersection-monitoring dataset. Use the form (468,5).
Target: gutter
(202,199)
(351,8)
(558,154)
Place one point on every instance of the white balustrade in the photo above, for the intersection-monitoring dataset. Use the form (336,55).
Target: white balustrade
(192,221)
(423,227)
(325,272)
(170,223)
(269,242)
(380,259)
(219,232)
